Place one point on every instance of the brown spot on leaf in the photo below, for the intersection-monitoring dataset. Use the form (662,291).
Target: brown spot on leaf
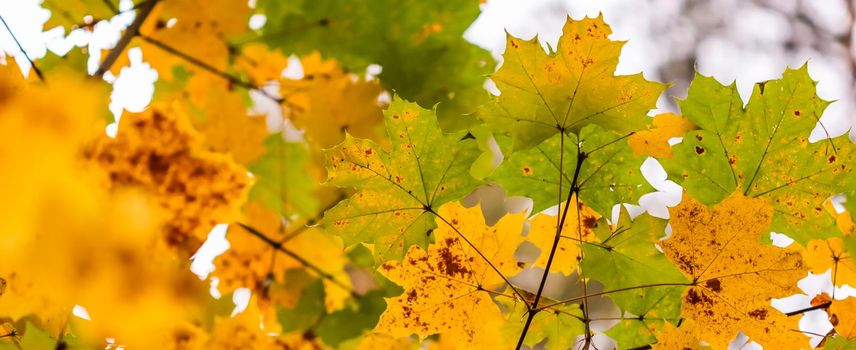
(451,264)
(695,297)
(527,171)
(157,166)
(760,314)
(411,296)
(590,222)
(831,159)
(713,285)
(699,150)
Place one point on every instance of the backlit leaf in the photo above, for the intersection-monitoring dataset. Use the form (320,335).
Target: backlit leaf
(718,249)
(763,151)
(401,187)
(563,91)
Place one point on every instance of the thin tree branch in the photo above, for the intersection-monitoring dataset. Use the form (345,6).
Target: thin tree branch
(276,245)
(533,309)
(588,333)
(207,67)
(20,47)
(132,31)
(811,308)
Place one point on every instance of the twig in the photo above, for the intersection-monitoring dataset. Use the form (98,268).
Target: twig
(14,38)
(207,67)
(276,245)
(132,31)
(533,309)
(811,308)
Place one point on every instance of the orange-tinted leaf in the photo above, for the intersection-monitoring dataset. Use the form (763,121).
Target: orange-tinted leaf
(735,275)
(655,142)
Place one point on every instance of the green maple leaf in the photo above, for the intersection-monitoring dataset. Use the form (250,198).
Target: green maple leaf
(282,182)
(762,150)
(608,173)
(563,91)
(71,13)
(839,343)
(419,44)
(626,257)
(559,326)
(399,187)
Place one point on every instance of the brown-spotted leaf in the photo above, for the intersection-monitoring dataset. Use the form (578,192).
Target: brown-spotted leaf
(446,287)
(328,101)
(677,338)
(545,93)
(160,152)
(578,227)
(401,186)
(734,275)
(763,150)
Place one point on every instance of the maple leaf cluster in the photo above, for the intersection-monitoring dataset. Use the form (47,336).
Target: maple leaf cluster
(361,209)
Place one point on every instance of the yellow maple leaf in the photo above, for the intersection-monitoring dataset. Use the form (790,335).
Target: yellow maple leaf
(159,151)
(677,338)
(563,91)
(260,64)
(373,341)
(655,142)
(200,32)
(579,222)
(70,239)
(825,254)
(241,331)
(843,220)
(253,263)
(842,312)
(447,290)
(719,250)
(228,128)
(328,101)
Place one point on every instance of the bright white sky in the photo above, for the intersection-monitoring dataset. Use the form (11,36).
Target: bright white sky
(741,53)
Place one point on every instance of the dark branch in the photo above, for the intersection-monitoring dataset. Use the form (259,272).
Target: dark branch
(15,39)
(132,31)
(207,67)
(533,309)
(811,308)
(276,245)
